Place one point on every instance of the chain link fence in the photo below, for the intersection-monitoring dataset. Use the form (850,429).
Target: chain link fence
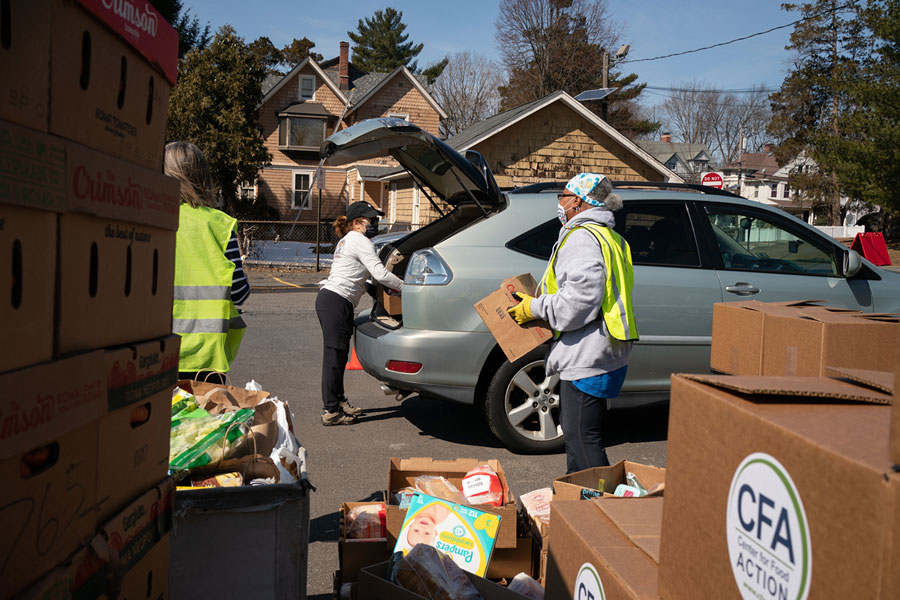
(286,243)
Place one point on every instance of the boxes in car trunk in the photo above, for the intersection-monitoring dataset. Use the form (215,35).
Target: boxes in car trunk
(515,340)
(403,472)
(778,487)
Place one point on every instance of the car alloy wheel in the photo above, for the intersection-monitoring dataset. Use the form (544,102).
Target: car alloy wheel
(523,405)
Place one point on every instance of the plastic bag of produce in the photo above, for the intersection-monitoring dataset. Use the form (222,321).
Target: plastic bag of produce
(199,441)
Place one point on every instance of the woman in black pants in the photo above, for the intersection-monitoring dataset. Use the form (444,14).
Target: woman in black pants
(354,261)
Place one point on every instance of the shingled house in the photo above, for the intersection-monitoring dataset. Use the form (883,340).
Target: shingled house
(302,108)
(549,139)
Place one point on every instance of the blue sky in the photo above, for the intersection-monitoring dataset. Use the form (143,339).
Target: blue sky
(651,28)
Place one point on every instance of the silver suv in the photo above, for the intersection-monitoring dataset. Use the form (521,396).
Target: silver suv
(690,247)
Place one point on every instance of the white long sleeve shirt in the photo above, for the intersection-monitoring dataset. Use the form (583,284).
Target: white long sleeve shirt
(354,260)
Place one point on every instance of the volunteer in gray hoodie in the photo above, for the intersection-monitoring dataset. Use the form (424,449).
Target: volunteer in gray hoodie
(585,296)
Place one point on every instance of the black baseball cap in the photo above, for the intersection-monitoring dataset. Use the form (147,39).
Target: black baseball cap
(365,210)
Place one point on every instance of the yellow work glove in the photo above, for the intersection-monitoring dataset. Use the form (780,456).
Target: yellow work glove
(521,312)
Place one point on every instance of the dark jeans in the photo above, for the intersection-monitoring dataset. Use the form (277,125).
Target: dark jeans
(213,377)
(336,319)
(581,416)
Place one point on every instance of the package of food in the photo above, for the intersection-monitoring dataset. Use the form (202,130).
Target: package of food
(183,402)
(537,503)
(366,522)
(439,487)
(203,440)
(216,481)
(482,485)
(432,574)
(403,497)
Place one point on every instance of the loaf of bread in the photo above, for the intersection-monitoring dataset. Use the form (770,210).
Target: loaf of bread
(430,573)
(439,487)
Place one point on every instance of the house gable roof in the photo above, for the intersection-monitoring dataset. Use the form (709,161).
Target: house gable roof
(482,130)
(761,162)
(377,83)
(290,76)
(662,151)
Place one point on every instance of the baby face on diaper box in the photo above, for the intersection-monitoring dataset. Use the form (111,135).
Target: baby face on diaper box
(465,533)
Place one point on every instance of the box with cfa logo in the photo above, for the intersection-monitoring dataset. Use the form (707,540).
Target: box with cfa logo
(779,487)
(604,548)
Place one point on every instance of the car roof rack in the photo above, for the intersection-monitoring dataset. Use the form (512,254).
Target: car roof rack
(695,187)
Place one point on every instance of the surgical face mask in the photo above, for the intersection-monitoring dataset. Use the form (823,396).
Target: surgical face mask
(561,212)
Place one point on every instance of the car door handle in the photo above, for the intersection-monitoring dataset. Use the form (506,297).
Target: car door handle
(742,289)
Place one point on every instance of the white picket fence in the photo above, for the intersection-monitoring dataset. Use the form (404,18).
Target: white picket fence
(841,232)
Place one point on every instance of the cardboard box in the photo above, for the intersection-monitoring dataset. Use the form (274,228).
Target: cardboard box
(895,413)
(392,303)
(102,92)
(127,558)
(515,340)
(354,555)
(403,472)
(145,29)
(32,166)
(583,485)
(28,264)
(374,586)
(48,500)
(778,485)
(738,331)
(44,402)
(116,282)
(810,340)
(605,548)
(25,63)
(506,563)
(134,436)
(104,186)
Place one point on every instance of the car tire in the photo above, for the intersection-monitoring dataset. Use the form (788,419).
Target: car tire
(522,405)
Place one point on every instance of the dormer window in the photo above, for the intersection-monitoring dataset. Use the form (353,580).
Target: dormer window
(307,87)
(300,133)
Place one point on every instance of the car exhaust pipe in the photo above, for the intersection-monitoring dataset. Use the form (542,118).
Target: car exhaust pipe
(399,395)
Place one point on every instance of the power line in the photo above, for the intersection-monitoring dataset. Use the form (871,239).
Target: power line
(740,39)
(760,90)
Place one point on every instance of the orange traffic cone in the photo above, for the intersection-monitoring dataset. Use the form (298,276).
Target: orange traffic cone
(353,363)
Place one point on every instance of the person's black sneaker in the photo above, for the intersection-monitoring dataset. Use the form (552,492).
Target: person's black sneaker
(348,408)
(337,418)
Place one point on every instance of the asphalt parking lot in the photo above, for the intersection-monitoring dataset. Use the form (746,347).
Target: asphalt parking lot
(281,350)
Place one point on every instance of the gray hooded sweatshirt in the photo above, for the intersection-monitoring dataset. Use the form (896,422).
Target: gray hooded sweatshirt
(585,348)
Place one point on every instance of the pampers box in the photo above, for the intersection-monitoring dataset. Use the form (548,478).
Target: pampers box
(465,533)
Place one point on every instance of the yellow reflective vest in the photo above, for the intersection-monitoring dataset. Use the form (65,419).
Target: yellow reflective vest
(616,308)
(203,314)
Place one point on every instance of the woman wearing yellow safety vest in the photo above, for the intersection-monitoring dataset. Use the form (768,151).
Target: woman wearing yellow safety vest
(585,296)
(209,276)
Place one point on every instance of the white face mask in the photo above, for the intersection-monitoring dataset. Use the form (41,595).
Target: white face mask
(561,214)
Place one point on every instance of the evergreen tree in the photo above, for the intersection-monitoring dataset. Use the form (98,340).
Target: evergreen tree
(190,33)
(214,105)
(866,157)
(829,44)
(380,45)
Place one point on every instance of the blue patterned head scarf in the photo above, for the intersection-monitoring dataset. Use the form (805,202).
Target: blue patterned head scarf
(590,187)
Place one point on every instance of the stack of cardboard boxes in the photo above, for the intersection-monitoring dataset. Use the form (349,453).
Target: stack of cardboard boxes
(781,476)
(87,237)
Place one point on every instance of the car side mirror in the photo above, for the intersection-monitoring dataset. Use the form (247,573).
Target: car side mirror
(852,263)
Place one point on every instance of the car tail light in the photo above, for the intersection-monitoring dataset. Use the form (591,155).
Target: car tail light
(426,267)
(403,366)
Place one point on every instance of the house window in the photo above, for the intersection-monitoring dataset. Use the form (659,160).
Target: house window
(787,191)
(301,198)
(307,87)
(298,132)
(248,190)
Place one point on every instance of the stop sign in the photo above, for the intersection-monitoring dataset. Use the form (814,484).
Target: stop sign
(712,179)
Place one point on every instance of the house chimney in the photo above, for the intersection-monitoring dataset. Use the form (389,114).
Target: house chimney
(767,148)
(666,137)
(343,68)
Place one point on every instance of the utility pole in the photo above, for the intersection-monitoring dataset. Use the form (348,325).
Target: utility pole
(740,158)
(604,111)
